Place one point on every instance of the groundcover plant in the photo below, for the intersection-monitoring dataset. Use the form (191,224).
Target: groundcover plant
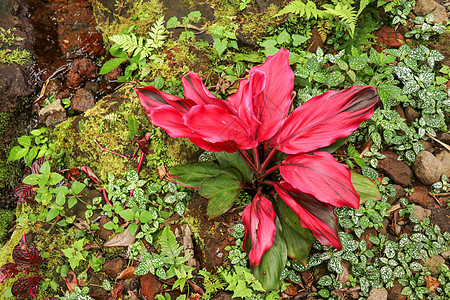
(275,154)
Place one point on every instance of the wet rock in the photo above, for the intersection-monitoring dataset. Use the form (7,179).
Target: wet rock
(427,167)
(115,73)
(387,36)
(81,70)
(92,86)
(82,100)
(53,113)
(399,193)
(54,86)
(445,137)
(95,287)
(444,158)
(433,264)
(421,213)
(396,170)
(150,286)
(424,7)
(15,86)
(102,232)
(113,267)
(421,197)
(427,145)
(411,114)
(378,294)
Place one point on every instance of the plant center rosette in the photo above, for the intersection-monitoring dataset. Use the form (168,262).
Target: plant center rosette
(261,147)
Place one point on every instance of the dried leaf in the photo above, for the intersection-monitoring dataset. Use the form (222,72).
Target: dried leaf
(71,281)
(127,273)
(432,282)
(116,293)
(120,239)
(162,172)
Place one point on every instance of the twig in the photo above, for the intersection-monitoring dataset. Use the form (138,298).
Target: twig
(104,149)
(436,140)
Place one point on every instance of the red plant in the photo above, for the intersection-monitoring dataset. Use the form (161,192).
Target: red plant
(255,123)
(26,259)
(25,191)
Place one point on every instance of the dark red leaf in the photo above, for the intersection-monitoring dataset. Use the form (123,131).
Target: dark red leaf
(7,271)
(36,166)
(26,255)
(151,98)
(26,286)
(24,192)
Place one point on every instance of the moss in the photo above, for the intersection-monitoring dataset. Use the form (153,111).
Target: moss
(141,14)
(6,216)
(8,55)
(77,137)
(255,24)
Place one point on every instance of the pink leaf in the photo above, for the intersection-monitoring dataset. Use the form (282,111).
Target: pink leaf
(194,89)
(7,271)
(26,255)
(326,118)
(229,146)
(150,97)
(24,192)
(214,124)
(171,120)
(317,216)
(259,222)
(320,175)
(26,286)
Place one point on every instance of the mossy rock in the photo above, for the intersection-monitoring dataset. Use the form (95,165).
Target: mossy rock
(107,123)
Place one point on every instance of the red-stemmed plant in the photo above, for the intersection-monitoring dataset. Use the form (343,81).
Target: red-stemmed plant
(261,147)
(27,259)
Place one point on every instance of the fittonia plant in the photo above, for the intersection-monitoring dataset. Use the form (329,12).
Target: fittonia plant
(261,147)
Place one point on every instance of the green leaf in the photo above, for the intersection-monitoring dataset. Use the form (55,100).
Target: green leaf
(24,141)
(283,37)
(145,216)
(336,145)
(52,213)
(32,179)
(127,214)
(298,39)
(132,228)
(60,199)
(235,160)
(45,168)
(172,22)
(220,45)
(111,65)
(77,187)
(365,187)
(221,191)
(54,178)
(158,82)
(17,153)
(32,154)
(298,239)
(71,202)
(268,272)
(110,225)
(192,175)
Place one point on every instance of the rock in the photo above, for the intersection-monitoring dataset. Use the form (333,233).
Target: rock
(150,286)
(102,232)
(223,296)
(440,216)
(433,264)
(115,73)
(424,7)
(395,292)
(81,70)
(92,86)
(445,137)
(15,85)
(420,197)
(396,170)
(444,158)
(53,113)
(427,145)
(82,100)
(113,267)
(427,167)
(378,294)
(421,213)
(446,255)
(411,114)
(54,86)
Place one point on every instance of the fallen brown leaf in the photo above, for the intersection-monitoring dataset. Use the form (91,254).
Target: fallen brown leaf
(120,239)
(432,282)
(291,290)
(127,273)
(117,291)
(162,172)
(71,281)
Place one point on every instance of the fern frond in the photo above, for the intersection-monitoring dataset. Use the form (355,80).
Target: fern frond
(298,7)
(344,12)
(324,28)
(157,34)
(169,244)
(132,44)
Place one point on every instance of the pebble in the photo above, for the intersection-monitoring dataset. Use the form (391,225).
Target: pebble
(427,167)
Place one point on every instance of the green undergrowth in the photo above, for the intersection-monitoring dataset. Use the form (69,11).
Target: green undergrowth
(10,50)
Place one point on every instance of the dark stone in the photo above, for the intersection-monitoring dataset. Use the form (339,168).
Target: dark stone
(82,100)
(15,86)
(81,70)
(115,73)
(102,232)
(388,37)
(411,114)
(427,167)
(445,137)
(113,267)
(396,170)
(315,41)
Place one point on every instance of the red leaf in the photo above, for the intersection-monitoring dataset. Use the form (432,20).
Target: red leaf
(214,124)
(24,192)
(266,95)
(317,216)
(36,166)
(26,286)
(7,271)
(171,120)
(326,118)
(26,256)
(259,222)
(320,175)
(151,98)
(229,147)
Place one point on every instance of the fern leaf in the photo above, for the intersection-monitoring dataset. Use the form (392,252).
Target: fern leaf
(169,244)
(157,33)
(344,12)
(132,44)
(298,7)
(362,5)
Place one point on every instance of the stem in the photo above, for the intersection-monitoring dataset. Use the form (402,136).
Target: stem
(256,157)
(105,195)
(110,150)
(270,182)
(141,159)
(274,168)
(269,157)
(246,158)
